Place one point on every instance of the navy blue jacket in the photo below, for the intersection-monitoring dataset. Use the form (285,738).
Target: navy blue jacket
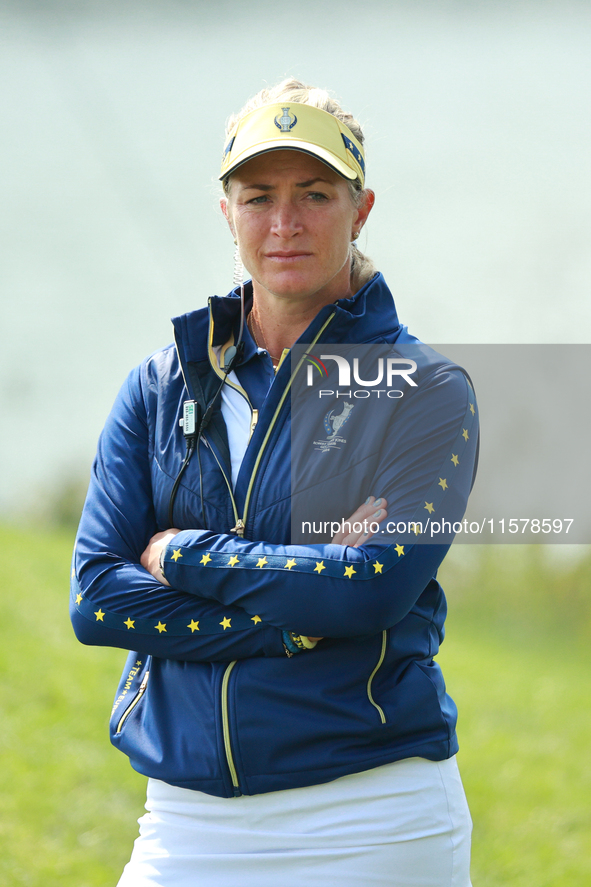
(209,700)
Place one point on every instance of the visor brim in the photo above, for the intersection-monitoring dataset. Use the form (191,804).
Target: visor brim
(327,157)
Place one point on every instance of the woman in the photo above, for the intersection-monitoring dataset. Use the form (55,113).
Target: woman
(283,698)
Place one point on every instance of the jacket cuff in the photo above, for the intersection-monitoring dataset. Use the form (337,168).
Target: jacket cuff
(273,641)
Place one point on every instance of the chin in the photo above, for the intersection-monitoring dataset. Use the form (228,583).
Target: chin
(298,292)
(300,286)
(290,285)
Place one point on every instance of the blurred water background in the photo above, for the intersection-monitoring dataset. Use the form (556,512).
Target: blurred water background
(112,117)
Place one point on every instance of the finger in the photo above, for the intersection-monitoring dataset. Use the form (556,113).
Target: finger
(368,509)
(357,525)
(362,531)
(366,537)
(359,514)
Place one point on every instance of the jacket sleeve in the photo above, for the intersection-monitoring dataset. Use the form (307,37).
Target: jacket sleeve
(114,601)
(426,474)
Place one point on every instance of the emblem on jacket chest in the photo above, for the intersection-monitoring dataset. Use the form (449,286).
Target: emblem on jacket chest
(333,424)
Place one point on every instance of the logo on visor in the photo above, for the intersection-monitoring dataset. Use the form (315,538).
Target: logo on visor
(286,121)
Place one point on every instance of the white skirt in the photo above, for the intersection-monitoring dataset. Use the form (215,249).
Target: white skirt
(404,824)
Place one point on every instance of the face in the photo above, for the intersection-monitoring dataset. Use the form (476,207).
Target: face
(294,220)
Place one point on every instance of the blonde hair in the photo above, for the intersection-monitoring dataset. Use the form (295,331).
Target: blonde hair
(292,90)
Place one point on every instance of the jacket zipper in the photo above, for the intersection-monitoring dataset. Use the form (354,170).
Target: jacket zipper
(372,676)
(226,730)
(253,423)
(272,425)
(134,702)
(239,530)
(238,527)
(225,476)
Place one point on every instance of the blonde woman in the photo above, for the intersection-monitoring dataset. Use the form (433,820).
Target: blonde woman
(283,697)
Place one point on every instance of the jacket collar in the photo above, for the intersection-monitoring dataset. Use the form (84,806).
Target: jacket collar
(369,315)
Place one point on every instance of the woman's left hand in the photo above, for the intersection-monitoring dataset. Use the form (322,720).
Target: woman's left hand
(150,558)
(370,513)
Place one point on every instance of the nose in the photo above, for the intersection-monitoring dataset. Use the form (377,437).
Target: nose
(286,221)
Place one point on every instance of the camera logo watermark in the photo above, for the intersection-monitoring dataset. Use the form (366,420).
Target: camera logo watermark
(387,371)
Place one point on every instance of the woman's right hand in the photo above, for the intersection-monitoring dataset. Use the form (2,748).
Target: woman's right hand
(371,512)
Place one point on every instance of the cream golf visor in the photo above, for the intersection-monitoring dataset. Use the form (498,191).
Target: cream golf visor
(296,127)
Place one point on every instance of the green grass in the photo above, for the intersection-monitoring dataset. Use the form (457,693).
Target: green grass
(69,800)
(524,729)
(513,659)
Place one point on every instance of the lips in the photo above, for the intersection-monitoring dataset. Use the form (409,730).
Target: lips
(288,254)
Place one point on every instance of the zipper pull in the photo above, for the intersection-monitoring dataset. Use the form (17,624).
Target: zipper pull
(253,422)
(239,528)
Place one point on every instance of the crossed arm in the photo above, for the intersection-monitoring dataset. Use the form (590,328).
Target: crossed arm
(232,598)
(372,510)
(117,598)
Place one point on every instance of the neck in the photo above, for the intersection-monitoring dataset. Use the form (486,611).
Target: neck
(279,322)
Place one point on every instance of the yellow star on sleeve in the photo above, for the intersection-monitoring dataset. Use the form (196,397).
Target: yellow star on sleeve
(256,619)
(194,626)
(78,598)
(319,567)
(349,572)
(465,434)
(429,507)
(399,550)
(232,562)
(225,622)
(416,528)
(176,554)
(99,615)
(378,567)
(472,408)
(291,563)
(442,483)
(206,558)
(161,627)
(455,459)
(261,562)
(130,623)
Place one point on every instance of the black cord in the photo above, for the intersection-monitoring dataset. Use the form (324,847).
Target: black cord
(233,356)
(193,439)
(189,453)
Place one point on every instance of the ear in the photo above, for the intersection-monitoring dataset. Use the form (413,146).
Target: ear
(364,209)
(226,212)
